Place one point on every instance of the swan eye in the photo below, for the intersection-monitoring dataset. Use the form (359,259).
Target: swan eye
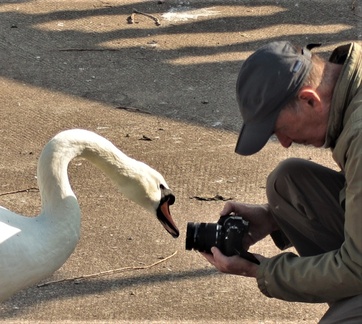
(162,186)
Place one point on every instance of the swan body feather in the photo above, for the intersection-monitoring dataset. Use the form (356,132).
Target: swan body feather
(32,248)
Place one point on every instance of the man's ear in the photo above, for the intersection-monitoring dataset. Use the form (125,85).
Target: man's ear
(308,96)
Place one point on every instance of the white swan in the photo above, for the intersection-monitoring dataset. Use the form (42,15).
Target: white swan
(32,248)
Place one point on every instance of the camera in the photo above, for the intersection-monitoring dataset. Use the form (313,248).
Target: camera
(227,235)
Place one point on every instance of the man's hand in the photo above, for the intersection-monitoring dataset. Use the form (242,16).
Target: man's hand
(234,264)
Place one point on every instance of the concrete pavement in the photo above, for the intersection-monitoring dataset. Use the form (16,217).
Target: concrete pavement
(68,64)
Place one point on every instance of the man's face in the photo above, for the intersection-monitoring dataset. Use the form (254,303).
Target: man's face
(305,125)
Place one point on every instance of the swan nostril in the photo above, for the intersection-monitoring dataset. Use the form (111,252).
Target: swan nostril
(171,199)
(167,195)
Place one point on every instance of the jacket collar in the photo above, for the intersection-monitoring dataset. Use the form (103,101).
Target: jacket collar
(347,85)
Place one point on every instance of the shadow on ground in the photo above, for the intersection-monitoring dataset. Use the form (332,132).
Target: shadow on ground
(87,49)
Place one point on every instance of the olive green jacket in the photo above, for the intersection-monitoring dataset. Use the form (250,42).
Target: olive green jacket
(336,274)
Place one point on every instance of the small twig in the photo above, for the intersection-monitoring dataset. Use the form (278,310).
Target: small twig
(18,191)
(131,20)
(155,19)
(215,198)
(132,109)
(145,138)
(353,5)
(105,273)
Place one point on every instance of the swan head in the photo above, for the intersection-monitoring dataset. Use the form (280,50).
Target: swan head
(148,188)
(159,197)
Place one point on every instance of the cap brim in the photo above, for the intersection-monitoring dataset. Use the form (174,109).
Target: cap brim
(253,137)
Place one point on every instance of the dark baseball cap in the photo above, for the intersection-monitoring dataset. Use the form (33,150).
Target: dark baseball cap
(267,81)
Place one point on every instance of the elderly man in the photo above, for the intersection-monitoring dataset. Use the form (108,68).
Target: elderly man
(299,97)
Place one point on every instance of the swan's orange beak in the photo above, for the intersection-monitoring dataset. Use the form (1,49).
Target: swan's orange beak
(164,215)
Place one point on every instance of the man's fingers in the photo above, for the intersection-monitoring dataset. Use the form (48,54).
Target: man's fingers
(209,257)
(229,208)
(217,255)
(215,251)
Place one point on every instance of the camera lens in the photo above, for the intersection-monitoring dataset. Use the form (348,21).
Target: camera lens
(202,236)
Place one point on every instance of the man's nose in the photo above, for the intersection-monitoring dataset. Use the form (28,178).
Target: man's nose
(285,141)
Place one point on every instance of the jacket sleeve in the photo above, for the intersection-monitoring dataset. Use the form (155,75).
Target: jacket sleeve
(336,274)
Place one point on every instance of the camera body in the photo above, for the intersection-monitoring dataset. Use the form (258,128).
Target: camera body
(227,235)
